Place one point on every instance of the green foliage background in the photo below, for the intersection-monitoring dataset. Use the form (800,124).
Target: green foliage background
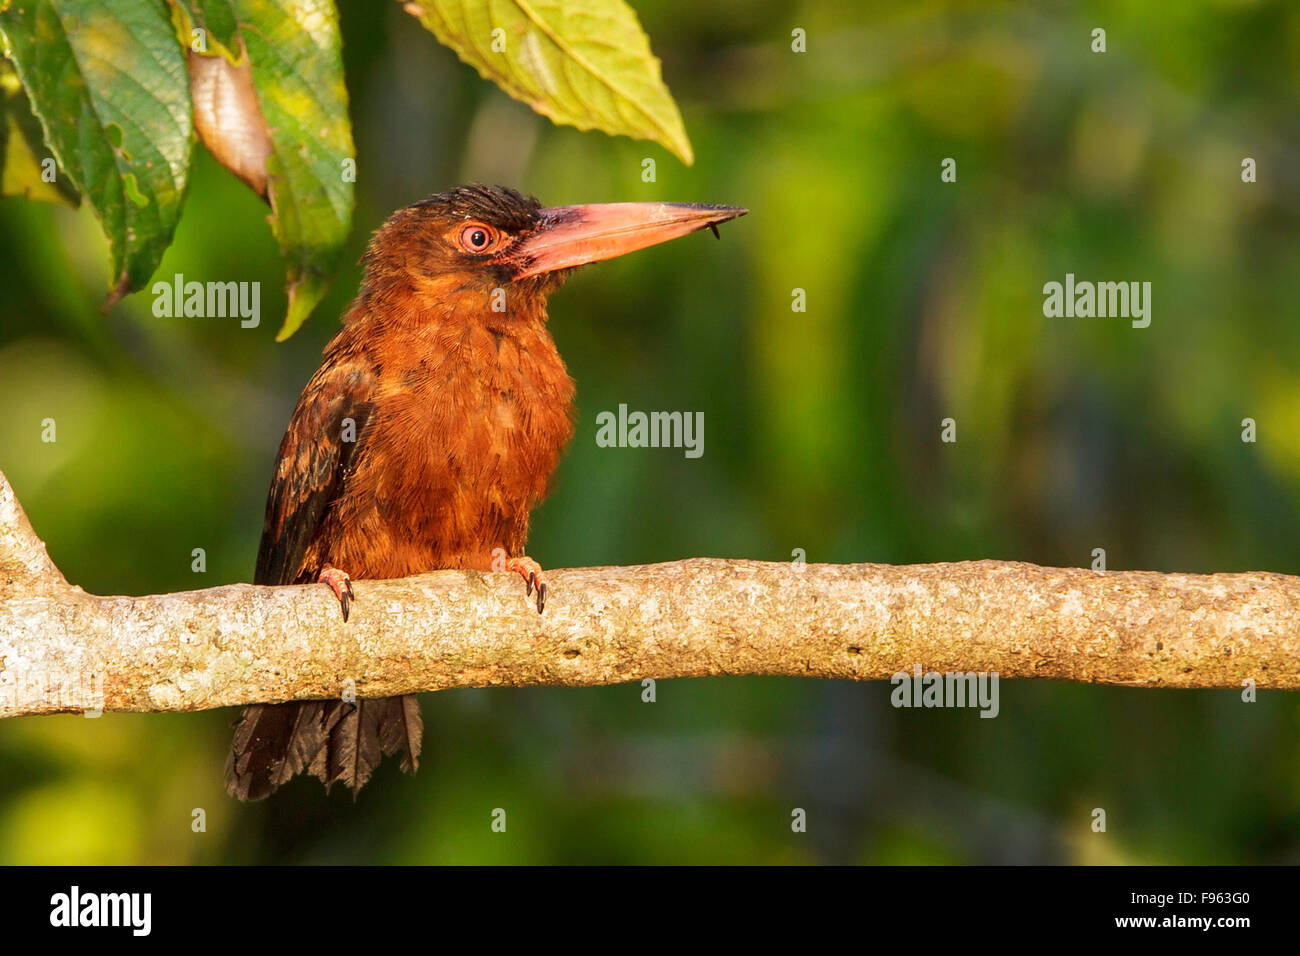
(924,301)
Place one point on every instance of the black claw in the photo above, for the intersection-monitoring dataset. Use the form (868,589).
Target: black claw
(348,582)
(541,597)
(714,227)
(343,599)
(528,584)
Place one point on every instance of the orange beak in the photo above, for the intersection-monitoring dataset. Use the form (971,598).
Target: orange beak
(576,235)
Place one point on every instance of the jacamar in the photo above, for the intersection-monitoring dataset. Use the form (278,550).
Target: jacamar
(430,430)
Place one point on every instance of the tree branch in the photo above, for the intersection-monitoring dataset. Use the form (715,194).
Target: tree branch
(62,649)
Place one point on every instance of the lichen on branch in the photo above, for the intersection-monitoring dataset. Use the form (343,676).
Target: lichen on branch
(63,649)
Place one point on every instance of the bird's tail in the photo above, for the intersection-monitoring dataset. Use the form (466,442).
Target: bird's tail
(334,740)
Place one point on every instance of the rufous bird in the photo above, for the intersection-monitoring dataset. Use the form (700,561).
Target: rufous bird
(430,431)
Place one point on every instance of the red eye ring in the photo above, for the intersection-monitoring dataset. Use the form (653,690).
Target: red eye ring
(475,237)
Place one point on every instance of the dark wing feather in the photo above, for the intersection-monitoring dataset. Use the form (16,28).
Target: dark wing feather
(311,467)
(273,742)
(358,733)
(402,731)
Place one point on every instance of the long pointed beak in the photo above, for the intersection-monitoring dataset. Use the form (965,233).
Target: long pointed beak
(575,235)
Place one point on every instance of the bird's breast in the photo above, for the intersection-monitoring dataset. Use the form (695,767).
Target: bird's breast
(466,437)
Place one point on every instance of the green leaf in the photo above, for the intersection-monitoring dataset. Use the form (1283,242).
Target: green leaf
(298,74)
(26,166)
(216,18)
(586,63)
(109,86)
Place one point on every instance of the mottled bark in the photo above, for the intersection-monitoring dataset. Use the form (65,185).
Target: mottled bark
(64,649)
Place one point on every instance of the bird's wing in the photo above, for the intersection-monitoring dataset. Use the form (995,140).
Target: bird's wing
(315,457)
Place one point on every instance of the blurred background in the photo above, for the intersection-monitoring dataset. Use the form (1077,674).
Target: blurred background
(924,301)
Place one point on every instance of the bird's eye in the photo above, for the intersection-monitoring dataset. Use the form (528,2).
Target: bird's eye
(476,237)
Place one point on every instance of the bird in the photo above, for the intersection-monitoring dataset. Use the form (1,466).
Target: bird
(431,429)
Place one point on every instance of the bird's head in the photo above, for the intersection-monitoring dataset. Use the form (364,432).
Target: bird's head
(474,240)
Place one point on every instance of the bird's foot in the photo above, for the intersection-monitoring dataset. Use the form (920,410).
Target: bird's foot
(531,572)
(340,584)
